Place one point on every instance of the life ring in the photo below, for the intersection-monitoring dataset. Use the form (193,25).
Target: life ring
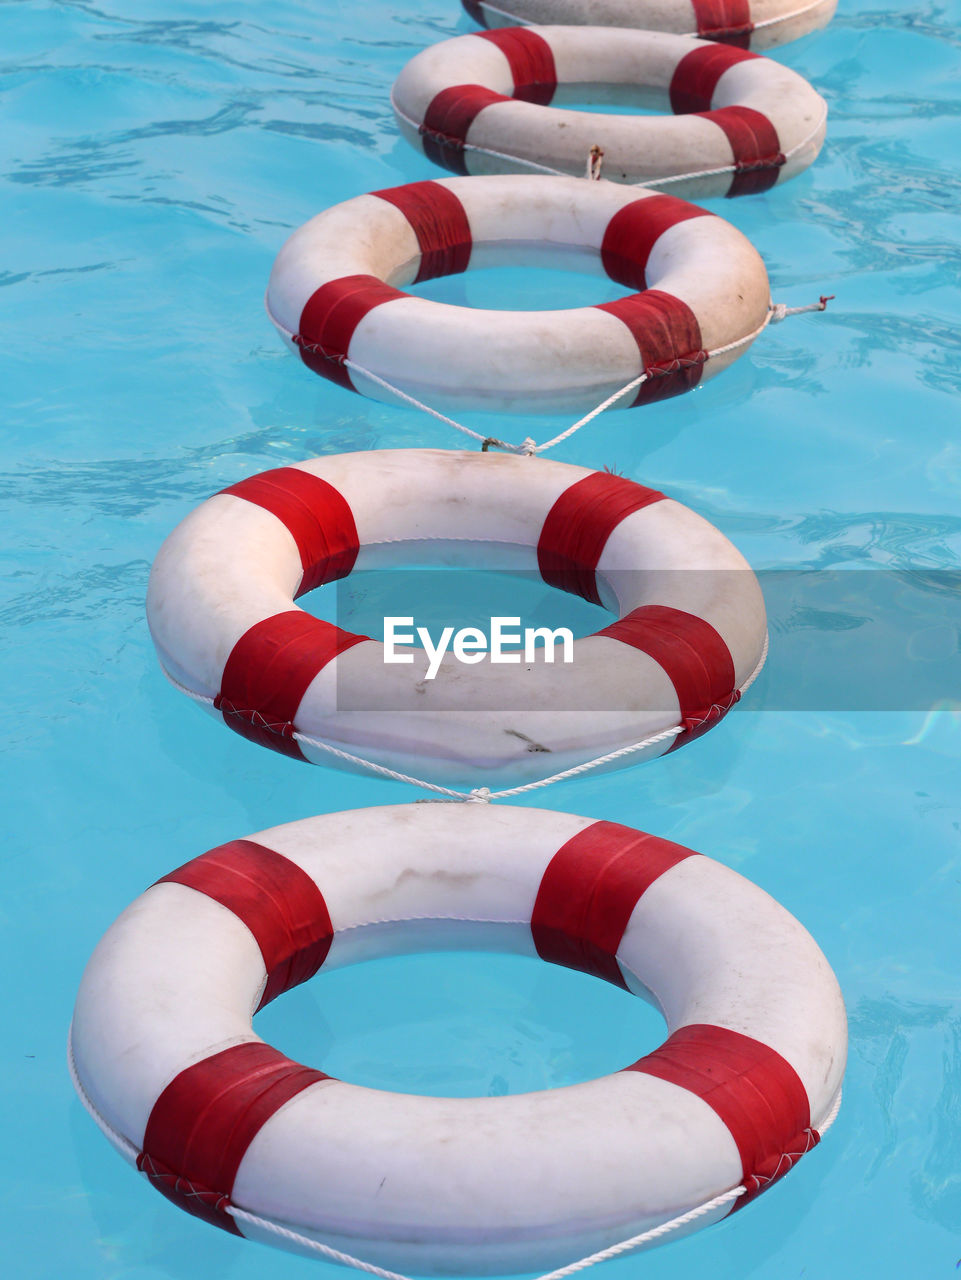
(748,24)
(334,295)
(492,102)
(690,632)
(165,1058)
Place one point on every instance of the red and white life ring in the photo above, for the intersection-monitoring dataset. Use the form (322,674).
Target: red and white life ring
(334,294)
(166,1060)
(690,631)
(747,24)
(493,102)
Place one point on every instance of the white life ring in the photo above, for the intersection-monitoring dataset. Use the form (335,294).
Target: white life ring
(166,1060)
(492,102)
(334,294)
(690,631)
(747,24)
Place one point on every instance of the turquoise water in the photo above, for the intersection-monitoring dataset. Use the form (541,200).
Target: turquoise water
(153,158)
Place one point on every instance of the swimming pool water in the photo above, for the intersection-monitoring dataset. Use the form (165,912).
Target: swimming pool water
(153,159)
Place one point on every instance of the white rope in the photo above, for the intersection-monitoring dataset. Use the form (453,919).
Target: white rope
(528,447)
(831,1116)
(780,312)
(482,795)
(732,168)
(123,1144)
(776,312)
(358,1264)
(624,1246)
(591,1260)
(648,182)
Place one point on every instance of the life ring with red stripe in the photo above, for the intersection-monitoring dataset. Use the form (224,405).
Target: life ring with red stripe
(690,630)
(493,102)
(165,1058)
(746,24)
(335,296)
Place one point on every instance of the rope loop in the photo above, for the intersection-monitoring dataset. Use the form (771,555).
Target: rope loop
(482,795)
(310,1245)
(777,311)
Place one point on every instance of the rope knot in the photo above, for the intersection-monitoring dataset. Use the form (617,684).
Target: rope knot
(595,161)
(479,795)
(528,447)
(778,310)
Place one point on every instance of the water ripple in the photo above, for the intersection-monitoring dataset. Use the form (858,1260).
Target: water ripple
(83,596)
(896,539)
(923,22)
(936,1186)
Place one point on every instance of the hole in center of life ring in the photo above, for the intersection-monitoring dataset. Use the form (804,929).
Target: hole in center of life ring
(461,1024)
(520,276)
(612,99)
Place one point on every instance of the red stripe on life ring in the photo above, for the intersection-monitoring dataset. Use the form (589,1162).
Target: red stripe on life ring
(200,1127)
(756,146)
(531,61)
(589,891)
(726,21)
(696,75)
(268,672)
(447,120)
(668,338)
(578,526)
(755,1091)
(634,231)
(316,515)
(694,656)
(277,901)
(329,318)
(439,221)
